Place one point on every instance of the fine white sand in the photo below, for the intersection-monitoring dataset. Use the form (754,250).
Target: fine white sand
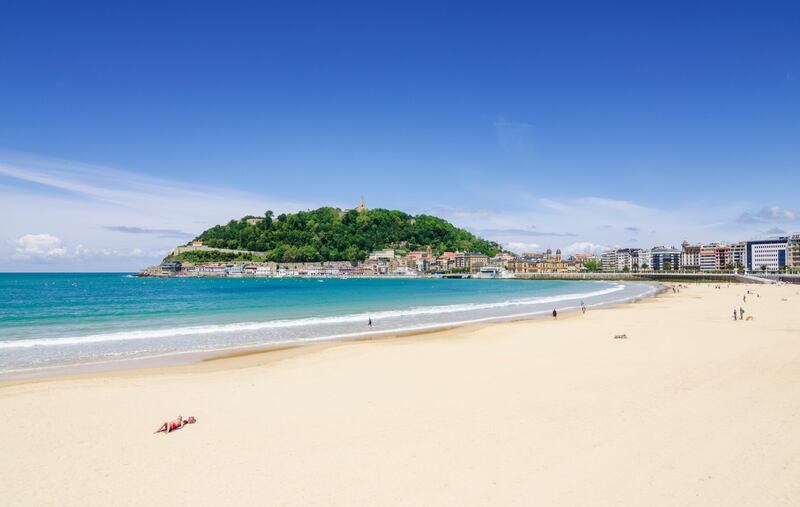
(692,409)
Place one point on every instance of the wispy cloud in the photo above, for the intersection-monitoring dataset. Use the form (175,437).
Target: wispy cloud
(90,207)
(515,139)
(612,204)
(768,214)
(163,233)
(635,230)
(522,232)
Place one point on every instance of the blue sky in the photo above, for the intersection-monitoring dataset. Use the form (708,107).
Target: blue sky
(126,130)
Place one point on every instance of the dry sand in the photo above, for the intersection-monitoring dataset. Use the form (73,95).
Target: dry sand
(691,409)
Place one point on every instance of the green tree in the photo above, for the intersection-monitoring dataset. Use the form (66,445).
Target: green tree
(592,265)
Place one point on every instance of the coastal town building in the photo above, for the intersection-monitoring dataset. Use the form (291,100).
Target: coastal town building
(446,261)
(664,258)
(645,260)
(739,255)
(552,263)
(583,258)
(523,265)
(470,262)
(501,259)
(715,257)
(386,254)
(626,258)
(767,254)
(690,256)
(793,251)
(535,262)
(608,261)
(168,268)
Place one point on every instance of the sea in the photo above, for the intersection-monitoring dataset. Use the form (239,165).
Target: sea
(55,321)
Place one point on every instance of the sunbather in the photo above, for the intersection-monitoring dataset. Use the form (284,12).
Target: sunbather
(175,424)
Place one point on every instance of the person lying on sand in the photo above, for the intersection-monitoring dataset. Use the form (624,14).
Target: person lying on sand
(175,424)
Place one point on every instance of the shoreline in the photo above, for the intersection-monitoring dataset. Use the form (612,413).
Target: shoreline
(693,409)
(189,358)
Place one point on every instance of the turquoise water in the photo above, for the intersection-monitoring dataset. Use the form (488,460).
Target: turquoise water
(64,319)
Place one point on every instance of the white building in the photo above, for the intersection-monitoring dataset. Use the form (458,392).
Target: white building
(645,260)
(608,261)
(625,259)
(619,260)
(768,254)
(382,255)
(739,255)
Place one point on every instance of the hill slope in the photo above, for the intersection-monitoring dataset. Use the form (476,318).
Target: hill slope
(329,234)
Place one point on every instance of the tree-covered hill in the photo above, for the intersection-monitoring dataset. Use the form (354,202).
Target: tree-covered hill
(328,234)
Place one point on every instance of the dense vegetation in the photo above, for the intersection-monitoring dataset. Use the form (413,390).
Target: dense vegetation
(328,234)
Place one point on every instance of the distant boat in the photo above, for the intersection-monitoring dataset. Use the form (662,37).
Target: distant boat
(493,272)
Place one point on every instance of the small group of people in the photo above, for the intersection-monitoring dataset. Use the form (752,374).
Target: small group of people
(740,314)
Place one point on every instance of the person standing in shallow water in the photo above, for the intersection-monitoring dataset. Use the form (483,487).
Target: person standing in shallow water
(555,313)
(369,322)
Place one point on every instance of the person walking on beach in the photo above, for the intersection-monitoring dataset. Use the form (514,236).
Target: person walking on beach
(741,313)
(734,314)
(555,313)
(583,308)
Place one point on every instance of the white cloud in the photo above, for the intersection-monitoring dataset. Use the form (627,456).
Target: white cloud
(49,248)
(585,247)
(39,246)
(521,247)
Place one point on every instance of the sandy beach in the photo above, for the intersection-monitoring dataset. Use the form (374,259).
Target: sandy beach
(691,409)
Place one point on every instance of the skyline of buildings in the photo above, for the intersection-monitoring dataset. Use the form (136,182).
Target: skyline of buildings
(772,255)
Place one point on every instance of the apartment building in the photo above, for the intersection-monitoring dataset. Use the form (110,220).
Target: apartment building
(793,251)
(739,255)
(471,262)
(690,256)
(767,254)
(714,257)
(664,258)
